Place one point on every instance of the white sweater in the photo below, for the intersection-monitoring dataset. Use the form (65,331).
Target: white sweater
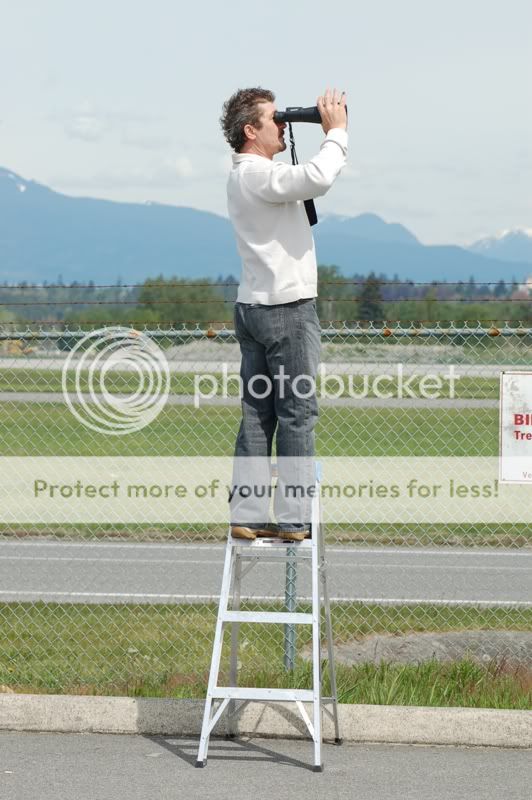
(274,238)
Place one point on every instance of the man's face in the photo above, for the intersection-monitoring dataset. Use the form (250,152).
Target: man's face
(269,138)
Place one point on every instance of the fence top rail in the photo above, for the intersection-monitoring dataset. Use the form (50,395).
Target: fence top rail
(36,331)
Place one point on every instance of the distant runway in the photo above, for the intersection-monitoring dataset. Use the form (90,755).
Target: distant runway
(338,367)
(111,572)
(188,400)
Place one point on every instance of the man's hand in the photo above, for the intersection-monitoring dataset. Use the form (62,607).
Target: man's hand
(332,110)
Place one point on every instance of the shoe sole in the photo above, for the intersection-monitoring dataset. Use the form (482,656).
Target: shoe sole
(243,533)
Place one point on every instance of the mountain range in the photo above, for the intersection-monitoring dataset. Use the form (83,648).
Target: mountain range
(513,245)
(45,234)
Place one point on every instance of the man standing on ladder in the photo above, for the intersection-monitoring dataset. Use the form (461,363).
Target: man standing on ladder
(276,321)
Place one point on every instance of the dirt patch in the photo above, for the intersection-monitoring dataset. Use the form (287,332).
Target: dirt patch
(513,647)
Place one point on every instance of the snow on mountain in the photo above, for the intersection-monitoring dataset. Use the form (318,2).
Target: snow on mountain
(508,245)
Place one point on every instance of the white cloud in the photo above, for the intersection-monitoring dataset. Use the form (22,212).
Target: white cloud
(86,122)
(165,174)
(87,125)
(145,141)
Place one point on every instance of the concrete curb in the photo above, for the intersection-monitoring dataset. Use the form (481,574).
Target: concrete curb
(358,723)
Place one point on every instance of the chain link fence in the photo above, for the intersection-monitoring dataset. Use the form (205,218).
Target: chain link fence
(108,607)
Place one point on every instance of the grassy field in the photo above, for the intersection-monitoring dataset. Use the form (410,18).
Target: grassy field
(383,534)
(32,429)
(164,650)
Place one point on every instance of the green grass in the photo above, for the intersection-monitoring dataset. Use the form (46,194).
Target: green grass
(47,380)
(513,535)
(461,683)
(164,650)
(31,429)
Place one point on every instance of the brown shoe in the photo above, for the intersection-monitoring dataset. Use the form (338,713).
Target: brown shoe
(293,536)
(241,532)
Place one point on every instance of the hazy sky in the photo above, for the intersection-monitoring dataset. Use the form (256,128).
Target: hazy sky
(121,99)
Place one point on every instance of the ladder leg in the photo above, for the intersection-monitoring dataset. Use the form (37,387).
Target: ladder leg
(290,605)
(330,651)
(328,627)
(201,760)
(216,656)
(233,666)
(316,655)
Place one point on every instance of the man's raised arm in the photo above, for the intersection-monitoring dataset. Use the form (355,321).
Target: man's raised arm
(282,183)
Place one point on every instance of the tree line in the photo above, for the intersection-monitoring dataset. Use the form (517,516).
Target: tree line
(180,301)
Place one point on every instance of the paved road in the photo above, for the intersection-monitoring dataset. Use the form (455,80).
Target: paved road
(108,572)
(200,365)
(188,400)
(60,766)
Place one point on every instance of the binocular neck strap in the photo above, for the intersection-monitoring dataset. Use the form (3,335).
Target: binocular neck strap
(292,145)
(310,208)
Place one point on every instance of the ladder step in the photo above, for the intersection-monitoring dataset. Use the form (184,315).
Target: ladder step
(251,693)
(289,617)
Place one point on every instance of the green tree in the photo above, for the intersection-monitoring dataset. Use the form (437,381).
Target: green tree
(370,306)
(335,300)
(178,300)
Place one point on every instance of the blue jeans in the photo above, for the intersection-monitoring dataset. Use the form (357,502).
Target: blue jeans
(280,348)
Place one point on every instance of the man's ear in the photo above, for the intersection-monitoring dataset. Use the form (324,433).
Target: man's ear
(249,130)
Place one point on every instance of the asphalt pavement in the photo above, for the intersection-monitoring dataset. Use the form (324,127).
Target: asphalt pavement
(59,766)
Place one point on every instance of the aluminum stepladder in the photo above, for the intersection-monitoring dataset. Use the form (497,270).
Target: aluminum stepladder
(256,551)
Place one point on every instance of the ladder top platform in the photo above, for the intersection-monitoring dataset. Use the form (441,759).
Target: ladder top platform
(264,543)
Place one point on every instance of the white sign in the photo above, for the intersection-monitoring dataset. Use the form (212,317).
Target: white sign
(515,449)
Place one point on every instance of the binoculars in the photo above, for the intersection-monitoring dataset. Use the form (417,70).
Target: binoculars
(299,114)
